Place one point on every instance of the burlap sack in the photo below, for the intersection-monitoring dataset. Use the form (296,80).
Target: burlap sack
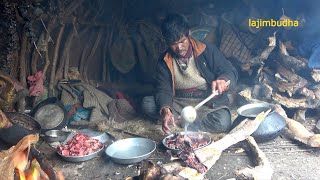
(122,53)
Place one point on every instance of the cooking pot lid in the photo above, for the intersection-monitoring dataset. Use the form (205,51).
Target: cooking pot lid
(252,110)
(50,114)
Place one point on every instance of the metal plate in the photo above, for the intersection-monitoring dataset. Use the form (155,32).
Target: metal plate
(50,113)
(81,158)
(131,150)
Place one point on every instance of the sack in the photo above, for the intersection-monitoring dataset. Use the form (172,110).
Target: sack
(122,53)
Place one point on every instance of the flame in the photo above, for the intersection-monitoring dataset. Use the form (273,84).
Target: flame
(31,170)
(22,176)
(34,170)
(26,171)
(60,175)
(20,161)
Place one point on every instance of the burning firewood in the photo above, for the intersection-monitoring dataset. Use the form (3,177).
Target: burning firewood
(8,157)
(263,170)
(24,161)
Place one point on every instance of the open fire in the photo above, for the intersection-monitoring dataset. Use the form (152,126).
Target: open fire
(24,162)
(26,169)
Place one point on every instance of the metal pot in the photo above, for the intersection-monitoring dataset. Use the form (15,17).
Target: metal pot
(22,125)
(269,128)
(56,136)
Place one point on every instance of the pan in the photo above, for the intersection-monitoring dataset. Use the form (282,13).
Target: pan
(50,114)
(22,125)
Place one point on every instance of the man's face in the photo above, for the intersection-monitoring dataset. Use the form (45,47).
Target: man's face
(180,47)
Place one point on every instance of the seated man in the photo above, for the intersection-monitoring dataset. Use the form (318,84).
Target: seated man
(187,73)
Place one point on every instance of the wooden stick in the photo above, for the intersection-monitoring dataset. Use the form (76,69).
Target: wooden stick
(22,71)
(90,56)
(67,61)
(54,61)
(84,57)
(65,56)
(47,62)
(104,59)
(263,170)
(36,55)
(73,6)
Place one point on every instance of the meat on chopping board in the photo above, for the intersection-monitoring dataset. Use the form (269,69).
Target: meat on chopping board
(80,145)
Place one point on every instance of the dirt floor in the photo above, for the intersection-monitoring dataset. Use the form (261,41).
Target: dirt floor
(290,160)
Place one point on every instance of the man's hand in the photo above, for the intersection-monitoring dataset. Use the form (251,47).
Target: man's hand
(167,119)
(220,85)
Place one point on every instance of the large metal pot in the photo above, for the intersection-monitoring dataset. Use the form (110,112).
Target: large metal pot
(269,128)
(22,125)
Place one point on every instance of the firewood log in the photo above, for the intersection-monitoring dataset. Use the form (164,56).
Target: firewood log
(290,61)
(315,74)
(298,103)
(263,170)
(211,153)
(52,81)
(288,81)
(300,115)
(297,131)
(23,69)
(241,133)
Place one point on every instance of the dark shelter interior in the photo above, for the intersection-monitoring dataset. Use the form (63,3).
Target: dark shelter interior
(82,68)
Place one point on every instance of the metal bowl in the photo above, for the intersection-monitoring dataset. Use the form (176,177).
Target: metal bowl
(131,150)
(56,136)
(205,135)
(81,158)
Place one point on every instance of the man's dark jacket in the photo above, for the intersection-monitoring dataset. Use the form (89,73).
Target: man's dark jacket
(210,62)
